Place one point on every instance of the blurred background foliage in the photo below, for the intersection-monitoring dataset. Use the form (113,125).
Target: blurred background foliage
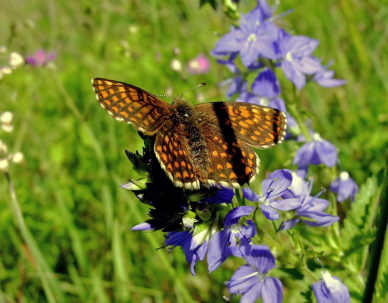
(68,185)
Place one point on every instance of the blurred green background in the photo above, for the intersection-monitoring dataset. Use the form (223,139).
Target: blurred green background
(76,244)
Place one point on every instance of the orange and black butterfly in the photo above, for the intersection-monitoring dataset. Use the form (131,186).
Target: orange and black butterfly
(208,144)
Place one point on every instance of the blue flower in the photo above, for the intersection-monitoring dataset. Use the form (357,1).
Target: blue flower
(266,84)
(331,289)
(312,208)
(251,280)
(266,88)
(254,38)
(297,62)
(325,78)
(345,186)
(143,226)
(316,152)
(234,239)
(273,188)
(224,195)
(195,247)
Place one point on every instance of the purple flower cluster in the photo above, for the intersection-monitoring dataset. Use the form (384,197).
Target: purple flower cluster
(284,195)
(233,238)
(206,224)
(286,191)
(264,48)
(260,42)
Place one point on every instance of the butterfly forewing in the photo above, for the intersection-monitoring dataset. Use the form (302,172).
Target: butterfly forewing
(256,125)
(132,104)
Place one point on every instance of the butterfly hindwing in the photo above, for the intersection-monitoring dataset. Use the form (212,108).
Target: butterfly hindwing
(174,156)
(232,161)
(132,104)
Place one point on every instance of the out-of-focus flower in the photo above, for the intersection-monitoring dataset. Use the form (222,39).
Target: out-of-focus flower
(17,157)
(3,148)
(331,289)
(16,60)
(316,152)
(251,280)
(199,65)
(345,186)
(4,165)
(325,78)
(40,58)
(6,117)
(6,70)
(6,121)
(176,65)
(274,188)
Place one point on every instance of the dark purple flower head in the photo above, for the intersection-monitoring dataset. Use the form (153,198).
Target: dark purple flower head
(274,188)
(312,208)
(40,58)
(251,280)
(317,151)
(345,186)
(234,239)
(331,289)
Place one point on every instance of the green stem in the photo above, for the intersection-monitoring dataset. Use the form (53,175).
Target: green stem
(49,282)
(378,245)
(293,109)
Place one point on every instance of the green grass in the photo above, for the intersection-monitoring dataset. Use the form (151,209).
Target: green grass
(72,240)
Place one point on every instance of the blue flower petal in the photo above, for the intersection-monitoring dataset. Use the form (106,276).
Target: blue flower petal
(272,292)
(251,195)
(331,289)
(261,258)
(236,213)
(219,248)
(269,212)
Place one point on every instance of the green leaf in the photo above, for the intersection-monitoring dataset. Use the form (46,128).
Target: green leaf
(357,219)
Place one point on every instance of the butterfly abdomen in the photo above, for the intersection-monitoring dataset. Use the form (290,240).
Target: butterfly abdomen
(186,121)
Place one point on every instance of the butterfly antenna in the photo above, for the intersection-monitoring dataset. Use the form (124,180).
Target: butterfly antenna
(199,85)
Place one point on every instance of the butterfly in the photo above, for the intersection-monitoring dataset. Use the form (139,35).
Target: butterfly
(209,144)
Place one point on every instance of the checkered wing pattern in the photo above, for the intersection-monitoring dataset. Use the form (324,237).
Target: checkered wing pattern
(172,152)
(258,126)
(230,129)
(132,104)
(232,164)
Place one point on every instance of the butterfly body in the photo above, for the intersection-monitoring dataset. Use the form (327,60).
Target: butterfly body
(208,144)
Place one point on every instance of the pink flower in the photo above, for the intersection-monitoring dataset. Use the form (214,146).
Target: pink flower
(40,58)
(199,65)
